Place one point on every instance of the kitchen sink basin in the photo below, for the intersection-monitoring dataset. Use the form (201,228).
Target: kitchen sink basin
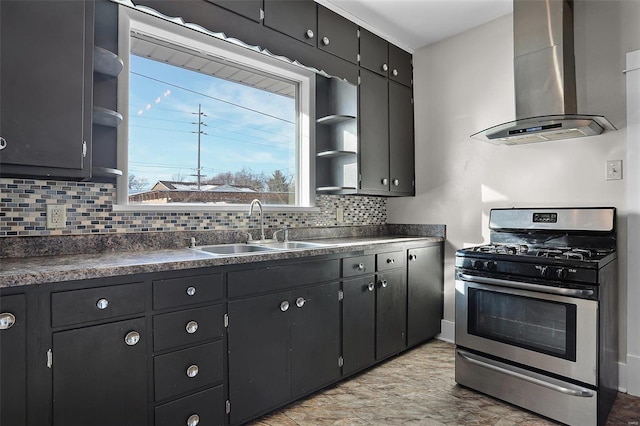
(291,245)
(235,249)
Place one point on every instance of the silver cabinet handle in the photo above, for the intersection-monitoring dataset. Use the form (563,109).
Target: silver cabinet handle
(191,290)
(192,371)
(371,286)
(132,338)
(192,327)
(395,72)
(361,267)
(7,320)
(284,306)
(193,420)
(390,260)
(413,257)
(385,67)
(309,34)
(385,181)
(325,41)
(384,283)
(396,182)
(3,143)
(300,302)
(102,304)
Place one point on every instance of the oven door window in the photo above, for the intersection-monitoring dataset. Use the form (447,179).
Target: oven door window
(540,325)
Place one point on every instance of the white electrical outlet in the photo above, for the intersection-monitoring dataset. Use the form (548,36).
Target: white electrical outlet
(339,215)
(613,170)
(56,216)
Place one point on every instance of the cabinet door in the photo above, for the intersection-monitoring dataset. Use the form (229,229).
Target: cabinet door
(400,67)
(297,19)
(401,151)
(358,323)
(337,35)
(247,8)
(259,340)
(425,293)
(13,354)
(315,337)
(391,316)
(45,66)
(374,53)
(374,133)
(99,378)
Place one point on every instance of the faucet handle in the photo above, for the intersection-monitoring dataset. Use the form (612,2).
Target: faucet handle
(246,234)
(285,234)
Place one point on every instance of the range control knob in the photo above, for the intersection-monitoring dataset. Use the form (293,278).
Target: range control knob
(544,271)
(562,273)
(490,265)
(476,264)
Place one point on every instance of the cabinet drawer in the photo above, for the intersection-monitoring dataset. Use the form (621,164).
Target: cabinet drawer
(208,406)
(391,260)
(186,290)
(186,327)
(78,306)
(262,280)
(359,265)
(171,371)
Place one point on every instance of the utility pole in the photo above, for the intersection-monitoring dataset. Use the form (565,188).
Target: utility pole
(199,132)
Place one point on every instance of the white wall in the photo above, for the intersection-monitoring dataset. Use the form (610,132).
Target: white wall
(464,84)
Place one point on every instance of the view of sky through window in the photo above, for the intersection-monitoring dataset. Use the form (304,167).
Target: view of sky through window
(244,131)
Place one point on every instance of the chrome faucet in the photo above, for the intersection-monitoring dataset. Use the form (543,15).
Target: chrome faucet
(253,203)
(285,234)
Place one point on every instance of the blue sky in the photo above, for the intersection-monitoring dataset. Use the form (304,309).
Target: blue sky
(162,135)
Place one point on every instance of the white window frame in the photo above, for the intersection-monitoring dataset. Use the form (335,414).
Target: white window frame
(130,19)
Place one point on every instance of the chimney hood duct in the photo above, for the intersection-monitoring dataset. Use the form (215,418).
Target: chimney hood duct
(545,81)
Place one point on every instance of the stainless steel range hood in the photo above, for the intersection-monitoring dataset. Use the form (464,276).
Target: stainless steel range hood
(545,81)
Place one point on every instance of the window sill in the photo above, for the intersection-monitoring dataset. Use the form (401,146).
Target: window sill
(179,208)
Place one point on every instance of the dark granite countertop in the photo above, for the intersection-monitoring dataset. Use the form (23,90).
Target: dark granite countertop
(18,271)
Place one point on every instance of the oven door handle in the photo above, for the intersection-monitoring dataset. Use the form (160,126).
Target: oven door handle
(527,286)
(565,388)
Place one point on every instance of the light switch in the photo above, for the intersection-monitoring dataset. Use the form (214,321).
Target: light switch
(613,170)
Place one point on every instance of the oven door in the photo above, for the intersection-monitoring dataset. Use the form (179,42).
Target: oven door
(516,322)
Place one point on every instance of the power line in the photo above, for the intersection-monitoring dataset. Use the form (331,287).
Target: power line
(212,97)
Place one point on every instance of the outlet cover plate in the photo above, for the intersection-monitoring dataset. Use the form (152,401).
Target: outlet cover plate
(613,170)
(56,216)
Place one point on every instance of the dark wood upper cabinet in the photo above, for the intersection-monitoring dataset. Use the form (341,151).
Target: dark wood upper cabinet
(337,35)
(401,146)
(248,8)
(374,53)
(400,66)
(297,19)
(46,77)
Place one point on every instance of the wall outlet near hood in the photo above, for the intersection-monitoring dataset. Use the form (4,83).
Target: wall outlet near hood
(613,170)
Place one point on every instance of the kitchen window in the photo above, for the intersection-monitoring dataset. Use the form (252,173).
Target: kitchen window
(209,124)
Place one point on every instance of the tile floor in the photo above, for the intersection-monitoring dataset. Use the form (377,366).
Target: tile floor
(418,388)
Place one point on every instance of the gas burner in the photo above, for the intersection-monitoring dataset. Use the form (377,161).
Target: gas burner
(511,249)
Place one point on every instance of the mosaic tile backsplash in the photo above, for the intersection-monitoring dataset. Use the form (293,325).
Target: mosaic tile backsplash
(89,208)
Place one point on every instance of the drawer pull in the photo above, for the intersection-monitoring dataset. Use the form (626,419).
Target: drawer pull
(384,283)
(371,286)
(300,302)
(385,181)
(192,371)
(191,290)
(385,67)
(390,260)
(361,267)
(396,182)
(192,327)
(284,306)
(7,320)
(102,304)
(413,257)
(395,73)
(309,34)
(193,420)
(132,338)
(325,41)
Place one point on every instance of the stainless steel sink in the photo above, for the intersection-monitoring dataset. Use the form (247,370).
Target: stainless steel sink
(235,249)
(291,245)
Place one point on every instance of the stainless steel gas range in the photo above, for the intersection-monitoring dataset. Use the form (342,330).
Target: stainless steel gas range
(536,312)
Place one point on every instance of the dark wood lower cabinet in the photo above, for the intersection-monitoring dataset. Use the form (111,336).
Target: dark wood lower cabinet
(13,356)
(281,346)
(99,379)
(391,313)
(358,323)
(425,283)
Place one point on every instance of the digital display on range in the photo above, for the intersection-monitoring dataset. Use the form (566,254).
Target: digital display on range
(545,217)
